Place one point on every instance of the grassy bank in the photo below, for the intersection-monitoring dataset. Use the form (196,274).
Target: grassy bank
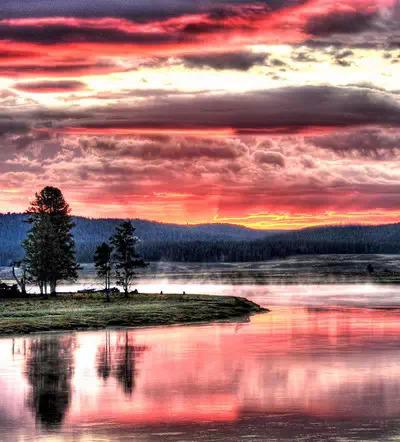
(88,311)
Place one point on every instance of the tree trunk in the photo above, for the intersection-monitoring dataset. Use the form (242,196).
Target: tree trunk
(53,286)
(108,288)
(20,281)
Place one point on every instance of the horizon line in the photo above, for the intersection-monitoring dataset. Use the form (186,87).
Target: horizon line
(220,223)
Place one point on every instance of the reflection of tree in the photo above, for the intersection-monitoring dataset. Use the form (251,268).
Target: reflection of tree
(119,361)
(125,370)
(49,370)
(104,359)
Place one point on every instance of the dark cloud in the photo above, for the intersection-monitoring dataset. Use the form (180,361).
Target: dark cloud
(304,57)
(373,144)
(284,110)
(24,141)
(166,148)
(141,10)
(342,57)
(70,33)
(50,86)
(349,22)
(9,54)
(241,61)
(9,126)
(61,69)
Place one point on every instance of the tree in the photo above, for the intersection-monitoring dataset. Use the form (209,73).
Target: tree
(127,260)
(22,279)
(103,264)
(50,246)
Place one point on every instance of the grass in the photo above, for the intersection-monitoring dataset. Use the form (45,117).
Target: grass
(75,311)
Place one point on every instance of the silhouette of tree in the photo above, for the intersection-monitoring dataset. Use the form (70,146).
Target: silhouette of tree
(126,258)
(49,371)
(103,264)
(104,359)
(50,247)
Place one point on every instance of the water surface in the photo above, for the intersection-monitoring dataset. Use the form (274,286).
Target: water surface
(322,365)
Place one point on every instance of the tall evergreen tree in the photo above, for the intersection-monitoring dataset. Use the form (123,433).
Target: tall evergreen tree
(50,247)
(103,264)
(127,260)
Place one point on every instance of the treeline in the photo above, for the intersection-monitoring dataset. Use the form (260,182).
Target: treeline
(88,233)
(381,234)
(211,243)
(260,250)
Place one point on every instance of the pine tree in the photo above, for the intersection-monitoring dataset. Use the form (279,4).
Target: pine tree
(126,258)
(103,264)
(50,247)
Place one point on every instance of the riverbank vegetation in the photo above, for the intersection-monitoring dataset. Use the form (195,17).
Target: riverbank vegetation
(79,311)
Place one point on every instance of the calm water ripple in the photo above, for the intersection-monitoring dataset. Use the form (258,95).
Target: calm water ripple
(323,365)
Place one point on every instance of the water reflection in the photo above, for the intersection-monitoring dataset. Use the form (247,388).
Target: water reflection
(49,372)
(120,360)
(321,371)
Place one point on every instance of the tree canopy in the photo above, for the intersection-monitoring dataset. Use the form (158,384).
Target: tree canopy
(50,246)
(127,260)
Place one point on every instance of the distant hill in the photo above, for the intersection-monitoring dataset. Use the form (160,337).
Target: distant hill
(212,242)
(382,234)
(90,232)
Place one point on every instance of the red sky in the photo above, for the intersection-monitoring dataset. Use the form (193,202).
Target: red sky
(271,114)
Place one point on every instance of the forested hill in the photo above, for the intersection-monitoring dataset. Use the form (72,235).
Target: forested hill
(89,233)
(311,241)
(382,234)
(212,242)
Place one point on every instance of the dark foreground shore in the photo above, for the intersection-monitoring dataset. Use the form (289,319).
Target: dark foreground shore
(90,311)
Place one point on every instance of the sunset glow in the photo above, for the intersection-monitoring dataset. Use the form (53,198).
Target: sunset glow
(269,114)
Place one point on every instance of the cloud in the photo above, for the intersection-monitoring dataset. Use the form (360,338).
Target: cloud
(100,33)
(340,22)
(50,86)
(56,68)
(341,57)
(64,31)
(159,141)
(375,144)
(166,148)
(141,10)
(283,110)
(6,54)
(241,61)
(9,126)
(270,158)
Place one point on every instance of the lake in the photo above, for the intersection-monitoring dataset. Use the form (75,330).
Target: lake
(324,364)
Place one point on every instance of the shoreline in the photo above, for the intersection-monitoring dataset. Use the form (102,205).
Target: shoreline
(88,311)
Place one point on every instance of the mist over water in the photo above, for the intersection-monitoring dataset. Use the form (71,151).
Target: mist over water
(322,365)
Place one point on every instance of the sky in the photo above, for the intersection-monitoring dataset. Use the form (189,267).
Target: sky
(273,114)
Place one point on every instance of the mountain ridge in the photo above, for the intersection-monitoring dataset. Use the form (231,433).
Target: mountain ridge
(211,241)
